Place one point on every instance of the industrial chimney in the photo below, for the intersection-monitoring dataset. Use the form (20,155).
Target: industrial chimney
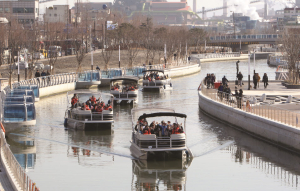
(225,8)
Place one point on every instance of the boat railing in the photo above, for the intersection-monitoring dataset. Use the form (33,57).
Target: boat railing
(17,171)
(219,55)
(88,116)
(160,142)
(52,80)
(124,92)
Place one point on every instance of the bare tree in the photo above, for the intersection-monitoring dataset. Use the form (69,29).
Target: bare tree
(15,42)
(290,47)
(112,42)
(130,39)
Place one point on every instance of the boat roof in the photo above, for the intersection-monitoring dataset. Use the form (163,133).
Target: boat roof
(153,71)
(161,114)
(84,91)
(124,78)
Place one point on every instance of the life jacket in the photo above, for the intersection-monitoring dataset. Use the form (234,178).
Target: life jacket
(149,79)
(74,101)
(107,108)
(116,88)
(99,109)
(87,107)
(93,100)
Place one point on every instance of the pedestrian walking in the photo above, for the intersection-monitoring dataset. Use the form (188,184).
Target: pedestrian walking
(38,75)
(212,80)
(240,99)
(43,74)
(240,79)
(255,78)
(258,80)
(265,80)
(224,81)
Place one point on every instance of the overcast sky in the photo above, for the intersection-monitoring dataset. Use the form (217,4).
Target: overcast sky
(200,3)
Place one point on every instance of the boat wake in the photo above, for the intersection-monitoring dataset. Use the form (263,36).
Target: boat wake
(228,143)
(81,147)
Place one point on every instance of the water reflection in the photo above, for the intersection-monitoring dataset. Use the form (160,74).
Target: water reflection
(159,175)
(24,148)
(273,161)
(94,140)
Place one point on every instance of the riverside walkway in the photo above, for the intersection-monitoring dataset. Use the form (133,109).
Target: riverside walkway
(279,103)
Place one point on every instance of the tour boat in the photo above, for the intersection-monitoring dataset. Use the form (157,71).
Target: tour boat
(124,89)
(160,145)
(155,80)
(34,88)
(18,114)
(77,117)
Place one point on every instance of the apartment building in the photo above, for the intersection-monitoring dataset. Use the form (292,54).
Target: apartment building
(25,11)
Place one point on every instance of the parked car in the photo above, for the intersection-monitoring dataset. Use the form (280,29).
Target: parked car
(47,67)
(21,64)
(38,55)
(39,66)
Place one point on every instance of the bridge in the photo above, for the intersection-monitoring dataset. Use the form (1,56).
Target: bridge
(236,41)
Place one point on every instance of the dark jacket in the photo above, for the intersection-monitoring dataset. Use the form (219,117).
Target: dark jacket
(265,78)
(240,76)
(37,74)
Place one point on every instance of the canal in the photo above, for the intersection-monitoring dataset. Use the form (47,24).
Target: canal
(225,158)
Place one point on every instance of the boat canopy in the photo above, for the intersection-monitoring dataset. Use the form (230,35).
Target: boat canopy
(125,79)
(161,114)
(145,71)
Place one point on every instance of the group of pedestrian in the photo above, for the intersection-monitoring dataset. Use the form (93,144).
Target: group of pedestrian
(38,74)
(210,80)
(256,80)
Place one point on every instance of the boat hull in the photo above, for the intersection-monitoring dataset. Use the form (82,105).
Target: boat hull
(158,154)
(12,126)
(89,125)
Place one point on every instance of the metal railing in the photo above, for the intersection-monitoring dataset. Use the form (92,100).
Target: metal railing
(255,36)
(160,142)
(52,80)
(263,108)
(219,55)
(18,172)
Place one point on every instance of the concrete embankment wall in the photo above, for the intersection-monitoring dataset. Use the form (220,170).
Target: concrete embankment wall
(183,71)
(268,130)
(173,73)
(51,90)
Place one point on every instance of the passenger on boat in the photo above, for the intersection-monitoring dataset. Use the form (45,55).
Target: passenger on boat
(108,107)
(89,104)
(93,100)
(102,103)
(157,78)
(99,108)
(85,107)
(74,101)
(146,130)
(163,127)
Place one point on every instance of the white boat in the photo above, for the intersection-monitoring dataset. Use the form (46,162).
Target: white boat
(77,117)
(124,89)
(276,60)
(155,80)
(160,145)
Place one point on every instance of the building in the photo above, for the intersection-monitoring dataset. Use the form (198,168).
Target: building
(170,12)
(57,14)
(25,11)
